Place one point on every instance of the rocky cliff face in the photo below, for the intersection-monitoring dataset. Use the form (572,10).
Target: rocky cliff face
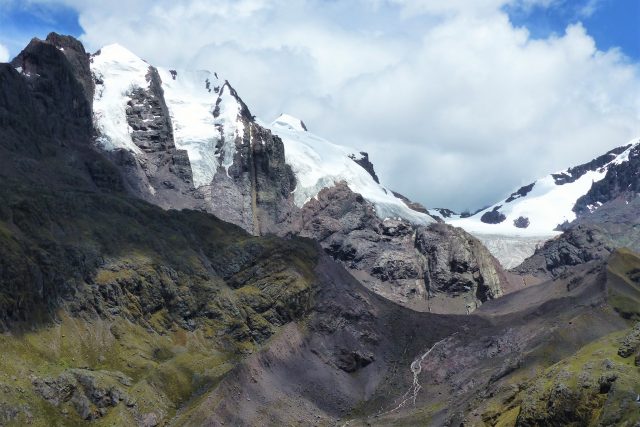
(435,268)
(458,264)
(117,312)
(621,181)
(255,191)
(134,114)
(159,172)
(244,179)
(593,236)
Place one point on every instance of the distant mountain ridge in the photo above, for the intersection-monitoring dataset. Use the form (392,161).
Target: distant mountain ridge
(540,208)
(514,227)
(185,139)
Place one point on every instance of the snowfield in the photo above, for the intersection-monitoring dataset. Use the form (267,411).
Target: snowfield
(120,72)
(192,97)
(318,163)
(546,206)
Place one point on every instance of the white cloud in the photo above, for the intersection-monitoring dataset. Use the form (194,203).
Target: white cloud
(589,8)
(456,105)
(4,54)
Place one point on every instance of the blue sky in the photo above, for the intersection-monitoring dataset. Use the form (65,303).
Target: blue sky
(458,102)
(20,21)
(612,23)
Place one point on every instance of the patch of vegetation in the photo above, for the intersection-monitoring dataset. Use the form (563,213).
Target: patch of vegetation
(117,311)
(574,391)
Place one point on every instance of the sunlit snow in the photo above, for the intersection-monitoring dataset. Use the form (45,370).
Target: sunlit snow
(120,72)
(546,206)
(318,163)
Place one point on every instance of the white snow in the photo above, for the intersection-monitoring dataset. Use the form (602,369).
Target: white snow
(547,205)
(230,125)
(191,99)
(318,163)
(191,106)
(290,122)
(121,72)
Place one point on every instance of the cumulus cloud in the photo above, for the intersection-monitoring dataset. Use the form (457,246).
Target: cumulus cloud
(4,53)
(456,105)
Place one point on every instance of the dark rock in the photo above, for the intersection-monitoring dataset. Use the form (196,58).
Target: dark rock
(522,191)
(493,216)
(576,172)
(90,393)
(405,263)
(352,361)
(256,194)
(364,162)
(414,205)
(576,246)
(457,263)
(446,213)
(592,236)
(631,342)
(605,383)
(621,181)
(521,222)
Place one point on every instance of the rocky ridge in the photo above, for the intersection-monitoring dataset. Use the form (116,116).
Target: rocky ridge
(251,184)
(435,268)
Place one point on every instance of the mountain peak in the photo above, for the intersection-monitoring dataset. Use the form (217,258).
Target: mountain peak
(243,110)
(290,122)
(117,53)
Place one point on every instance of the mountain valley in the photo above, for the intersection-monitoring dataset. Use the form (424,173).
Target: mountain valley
(166,258)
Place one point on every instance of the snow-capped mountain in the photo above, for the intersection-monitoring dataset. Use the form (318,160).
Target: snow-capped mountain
(514,226)
(318,163)
(210,122)
(196,144)
(538,209)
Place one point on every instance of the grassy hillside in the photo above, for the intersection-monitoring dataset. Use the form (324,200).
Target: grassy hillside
(116,310)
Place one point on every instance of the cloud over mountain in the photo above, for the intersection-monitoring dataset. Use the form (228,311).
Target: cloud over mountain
(456,105)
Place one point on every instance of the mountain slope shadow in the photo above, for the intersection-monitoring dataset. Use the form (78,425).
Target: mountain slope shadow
(421,369)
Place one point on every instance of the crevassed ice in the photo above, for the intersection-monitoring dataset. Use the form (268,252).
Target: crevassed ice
(230,125)
(191,99)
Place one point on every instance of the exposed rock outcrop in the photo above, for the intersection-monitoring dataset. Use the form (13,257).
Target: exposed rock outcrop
(493,217)
(255,192)
(252,187)
(574,173)
(418,207)
(458,263)
(160,173)
(522,191)
(91,394)
(437,268)
(363,160)
(576,246)
(594,235)
(631,342)
(621,181)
